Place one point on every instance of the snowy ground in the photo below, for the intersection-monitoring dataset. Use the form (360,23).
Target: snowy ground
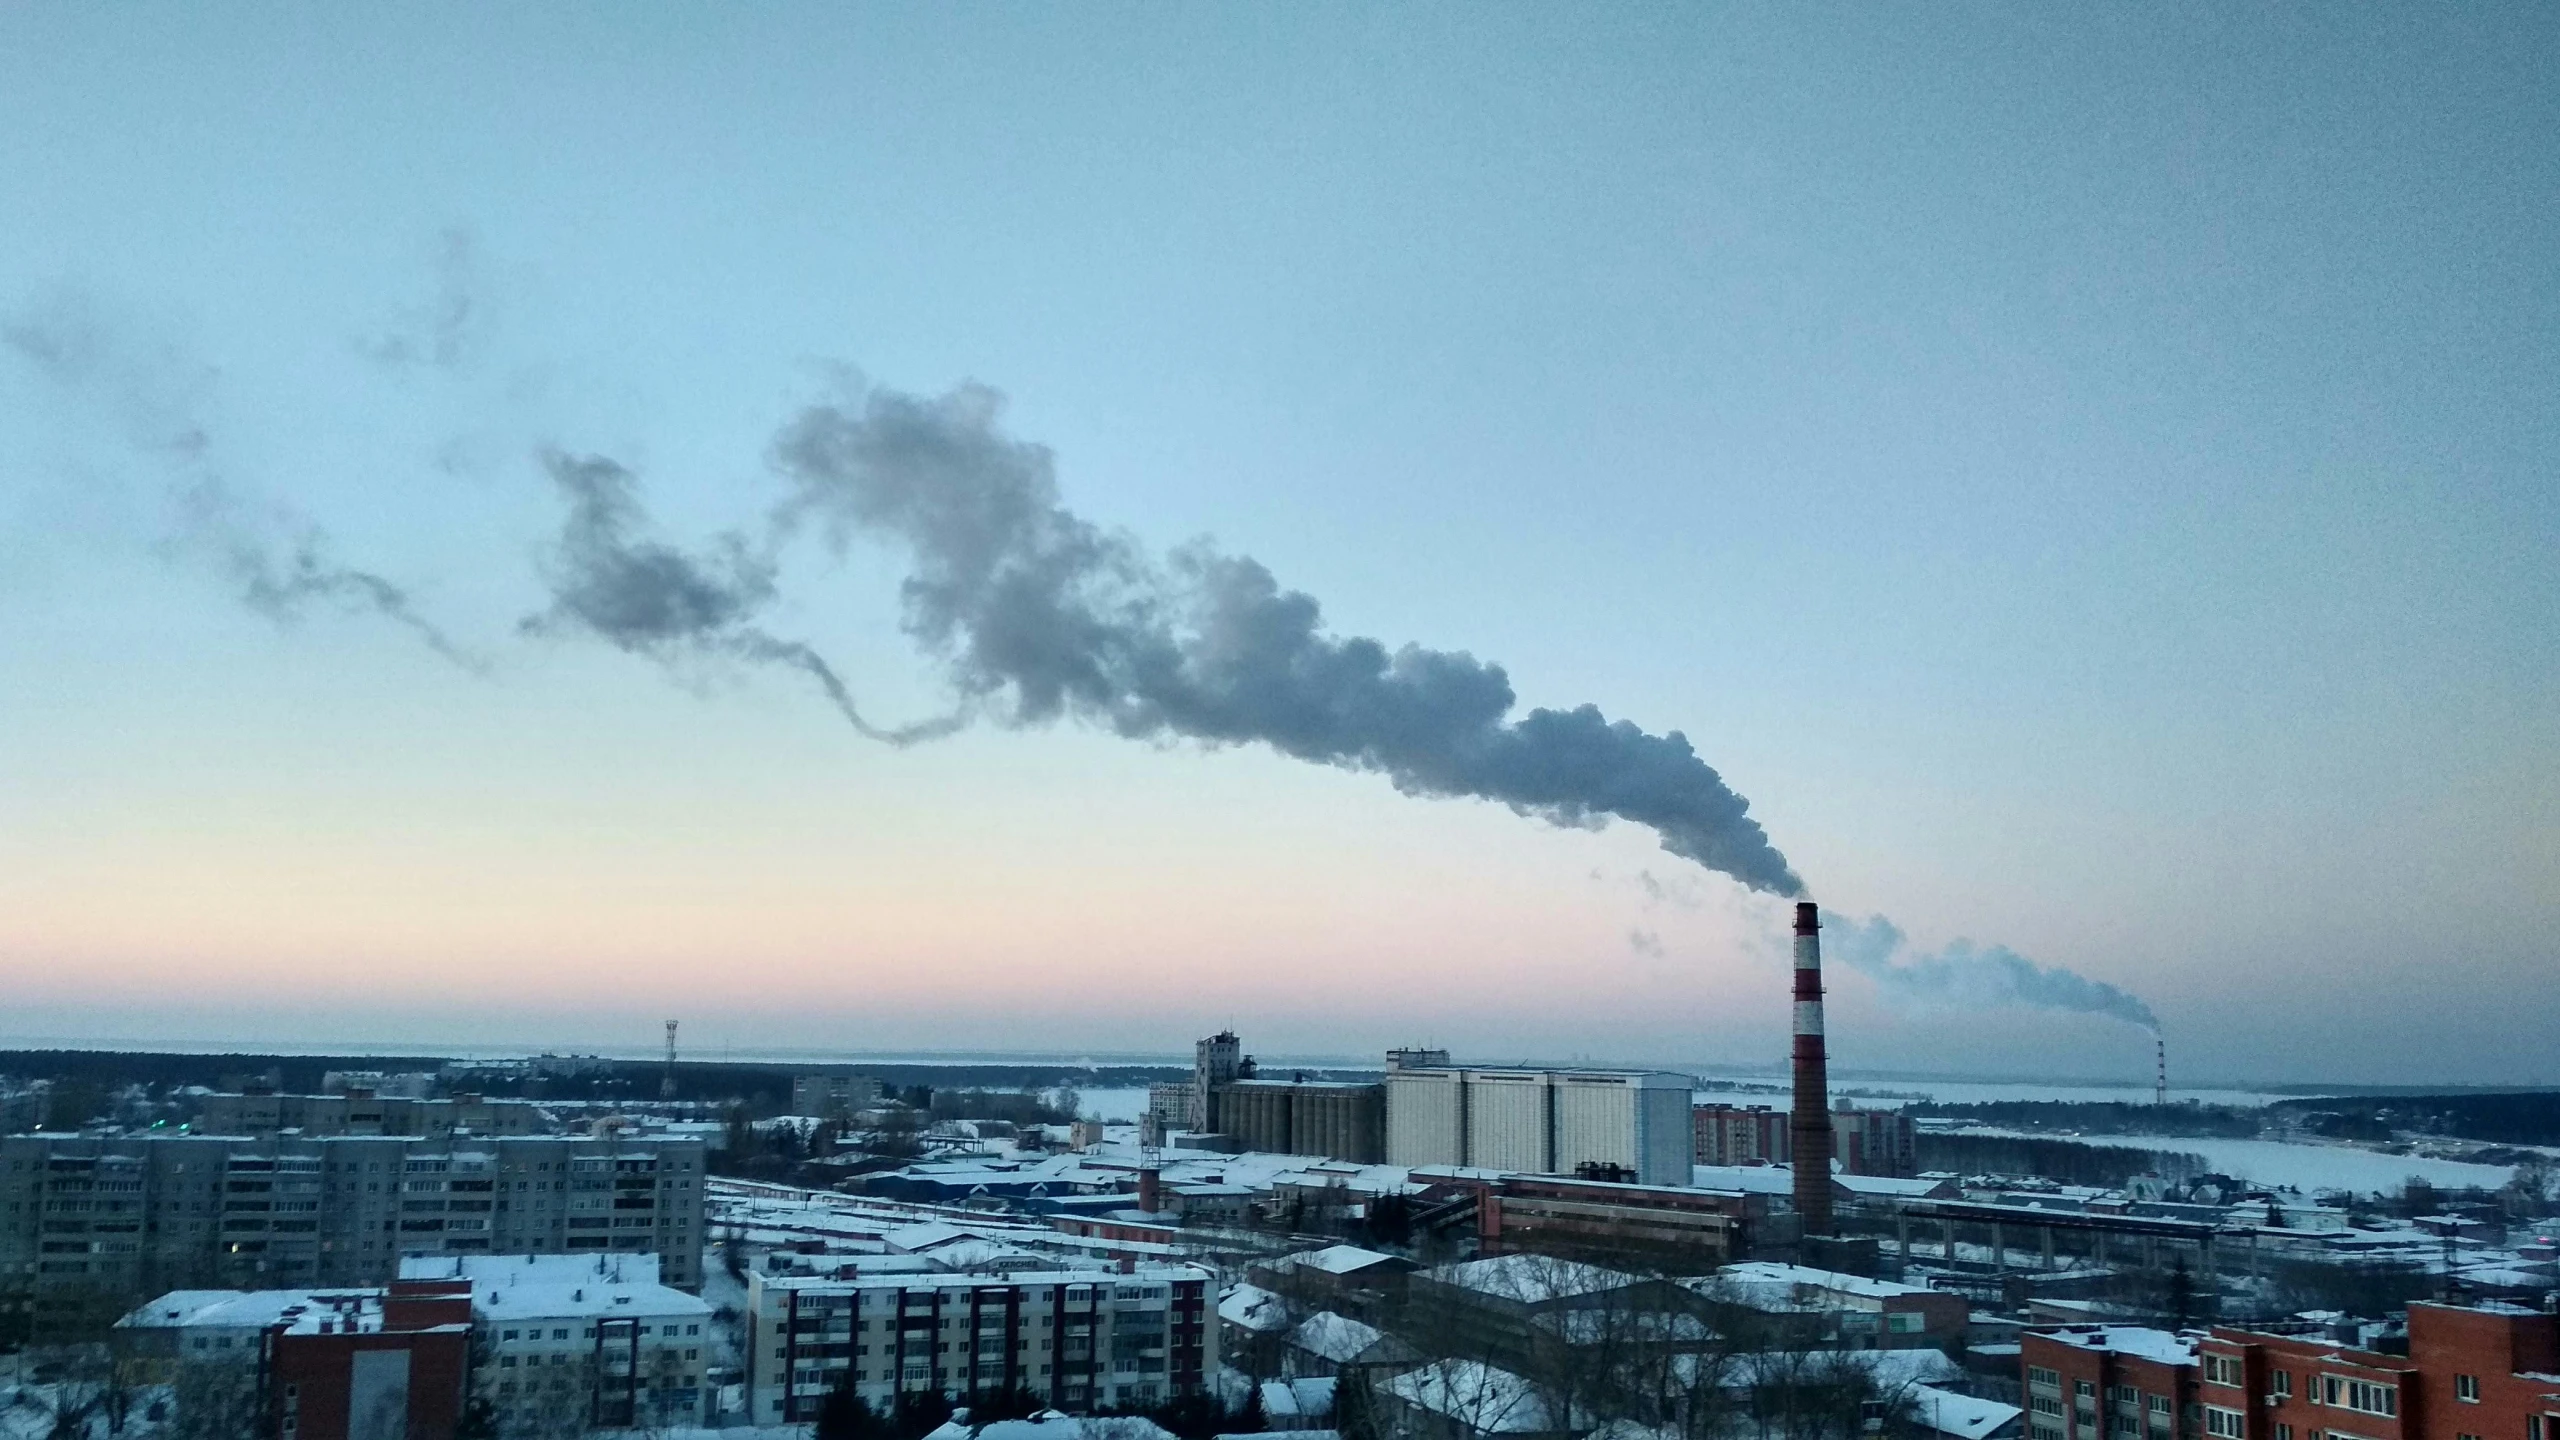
(1121,1105)
(2308,1168)
(1894,1093)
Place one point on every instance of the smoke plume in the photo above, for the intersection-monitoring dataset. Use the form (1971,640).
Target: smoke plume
(277,561)
(651,599)
(1961,975)
(1038,613)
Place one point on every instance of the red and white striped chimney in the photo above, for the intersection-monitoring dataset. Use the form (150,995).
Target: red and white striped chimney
(1810,1142)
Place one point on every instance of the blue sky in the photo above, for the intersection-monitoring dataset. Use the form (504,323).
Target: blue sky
(2086,477)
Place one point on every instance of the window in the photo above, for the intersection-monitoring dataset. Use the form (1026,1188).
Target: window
(2039,1375)
(2280,1382)
(2363,1396)
(2045,1405)
(2085,1389)
(2284,1432)
(2125,1395)
(2222,1369)
(2223,1423)
(2160,1405)
(2466,1388)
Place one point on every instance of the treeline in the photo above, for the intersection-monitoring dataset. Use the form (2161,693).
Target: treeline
(2513,1118)
(2103,1117)
(84,1077)
(115,1069)
(2069,1161)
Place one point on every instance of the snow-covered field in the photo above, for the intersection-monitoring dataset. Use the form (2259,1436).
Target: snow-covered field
(2308,1168)
(1122,1105)
(1897,1092)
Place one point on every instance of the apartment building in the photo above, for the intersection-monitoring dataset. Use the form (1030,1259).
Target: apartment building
(2473,1372)
(1740,1134)
(1079,1339)
(146,1213)
(1866,1142)
(570,1342)
(2143,1382)
(833,1097)
(1631,1122)
(384,1363)
(358,1111)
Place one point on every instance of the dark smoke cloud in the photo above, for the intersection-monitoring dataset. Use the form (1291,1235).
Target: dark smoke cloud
(277,562)
(1962,976)
(651,599)
(1038,613)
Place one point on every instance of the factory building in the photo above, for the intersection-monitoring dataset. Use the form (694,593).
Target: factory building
(1630,1124)
(154,1212)
(1216,1063)
(1307,1117)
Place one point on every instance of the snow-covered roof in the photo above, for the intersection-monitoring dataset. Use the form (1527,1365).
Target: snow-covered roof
(1887,1184)
(1337,1338)
(549,1287)
(1485,1399)
(1756,1277)
(1309,1397)
(1966,1417)
(1054,1425)
(1531,1279)
(2140,1341)
(1250,1307)
(1749,1179)
(1340,1259)
(914,1239)
(1889,1367)
(254,1309)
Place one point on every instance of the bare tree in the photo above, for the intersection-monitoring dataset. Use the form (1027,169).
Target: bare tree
(210,1401)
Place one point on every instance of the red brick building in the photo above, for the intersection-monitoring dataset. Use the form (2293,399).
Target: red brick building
(2473,1372)
(2483,1372)
(2111,1382)
(389,1366)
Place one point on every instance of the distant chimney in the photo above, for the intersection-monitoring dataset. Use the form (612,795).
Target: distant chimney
(1150,1190)
(1811,1121)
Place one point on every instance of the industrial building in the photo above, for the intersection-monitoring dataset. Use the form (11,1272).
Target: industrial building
(1307,1117)
(1630,1124)
(146,1213)
(1081,1340)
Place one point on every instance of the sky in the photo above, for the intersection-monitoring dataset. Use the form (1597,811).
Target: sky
(2085,476)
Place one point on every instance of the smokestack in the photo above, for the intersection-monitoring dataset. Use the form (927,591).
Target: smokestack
(2160,1083)
(1150,1189)
(1811,1145)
